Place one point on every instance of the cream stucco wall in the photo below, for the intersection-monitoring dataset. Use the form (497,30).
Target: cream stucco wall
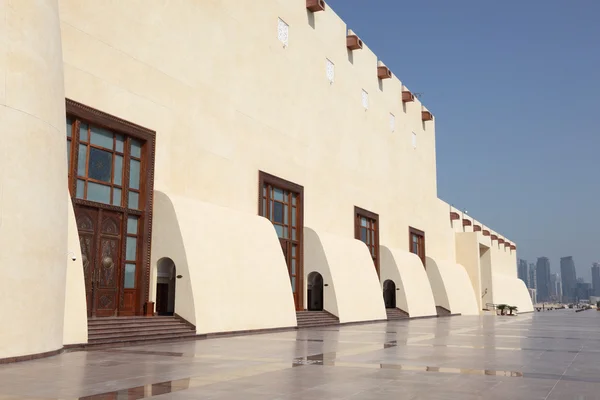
(75,325)
(33,211)
(467,255)
(245,103)
(353,292)
(406,270)
(234,276)
(226,99)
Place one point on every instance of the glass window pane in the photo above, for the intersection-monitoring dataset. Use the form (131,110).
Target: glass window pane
(80,189)
(278,213)
(83,132)
(101,137)
(271,210)
(136,148)
(294,199)
(100,165)
(293,266)
(278,194)
(129,279)
(279,230)
(286,210)
(294,250)
(130,248)
(134,199)
(116,199)
(264,208)
(134,174)
(82,160)
(119,143)
(293,216)
(363,234)
(363,221)
(132,225)
(293,281)
(99,193)
(373,237)
(118,179)
(69,127)
(285,232)
(293,233)
(264,192)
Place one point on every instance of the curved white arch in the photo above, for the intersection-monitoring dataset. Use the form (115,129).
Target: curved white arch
(511,291)
(353,293)
(234,275)
(451,286)
(407,272)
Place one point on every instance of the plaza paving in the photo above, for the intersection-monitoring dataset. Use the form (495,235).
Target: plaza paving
(550,355)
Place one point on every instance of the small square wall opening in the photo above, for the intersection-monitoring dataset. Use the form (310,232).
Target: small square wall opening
(283,31)
(330,70)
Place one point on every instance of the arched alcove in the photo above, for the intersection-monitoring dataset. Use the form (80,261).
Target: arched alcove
(165,286)
(315,291)
(389,294)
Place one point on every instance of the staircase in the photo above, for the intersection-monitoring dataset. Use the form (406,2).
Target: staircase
(136,330)
(309,319)
(395,313)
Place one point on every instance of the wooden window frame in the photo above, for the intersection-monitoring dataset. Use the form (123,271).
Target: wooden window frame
(265,178)
(144,212)
(361,212)
(420,234)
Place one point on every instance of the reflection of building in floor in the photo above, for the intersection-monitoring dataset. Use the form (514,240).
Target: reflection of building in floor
(233,186)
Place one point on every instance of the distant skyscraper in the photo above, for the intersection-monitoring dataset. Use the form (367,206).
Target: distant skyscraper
(523,272)
(596,278)
(569,278)
(532,276)
(542,270)
(583,291)
(554,287)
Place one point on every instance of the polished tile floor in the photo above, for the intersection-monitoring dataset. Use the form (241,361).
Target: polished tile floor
(549,355)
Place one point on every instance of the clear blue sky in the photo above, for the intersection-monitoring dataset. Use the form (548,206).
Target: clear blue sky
(515,90)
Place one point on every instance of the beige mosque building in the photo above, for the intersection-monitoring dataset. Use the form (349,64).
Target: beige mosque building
(231,163)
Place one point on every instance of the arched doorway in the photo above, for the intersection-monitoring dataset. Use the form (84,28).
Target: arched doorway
(389,294)
(315,292)
(165,286)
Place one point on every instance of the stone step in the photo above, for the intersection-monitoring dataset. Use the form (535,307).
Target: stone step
(308,319)
(128,330)
(133,325)
(138,334)
(121,321)
(396,313)
(139,329)
(143,338)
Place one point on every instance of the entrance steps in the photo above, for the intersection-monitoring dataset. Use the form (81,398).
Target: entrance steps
(136,330)
(396,313)
(309,319)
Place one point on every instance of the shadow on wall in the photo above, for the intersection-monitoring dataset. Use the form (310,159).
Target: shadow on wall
(452,288)
(167,243)
(406,271)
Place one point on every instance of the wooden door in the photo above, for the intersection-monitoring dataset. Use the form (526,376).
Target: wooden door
(87,220)
(100,237)
(108,264)
(162,298)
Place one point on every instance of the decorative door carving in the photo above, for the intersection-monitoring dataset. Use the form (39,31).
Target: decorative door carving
(100,237)
(87,219)
(108,276)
